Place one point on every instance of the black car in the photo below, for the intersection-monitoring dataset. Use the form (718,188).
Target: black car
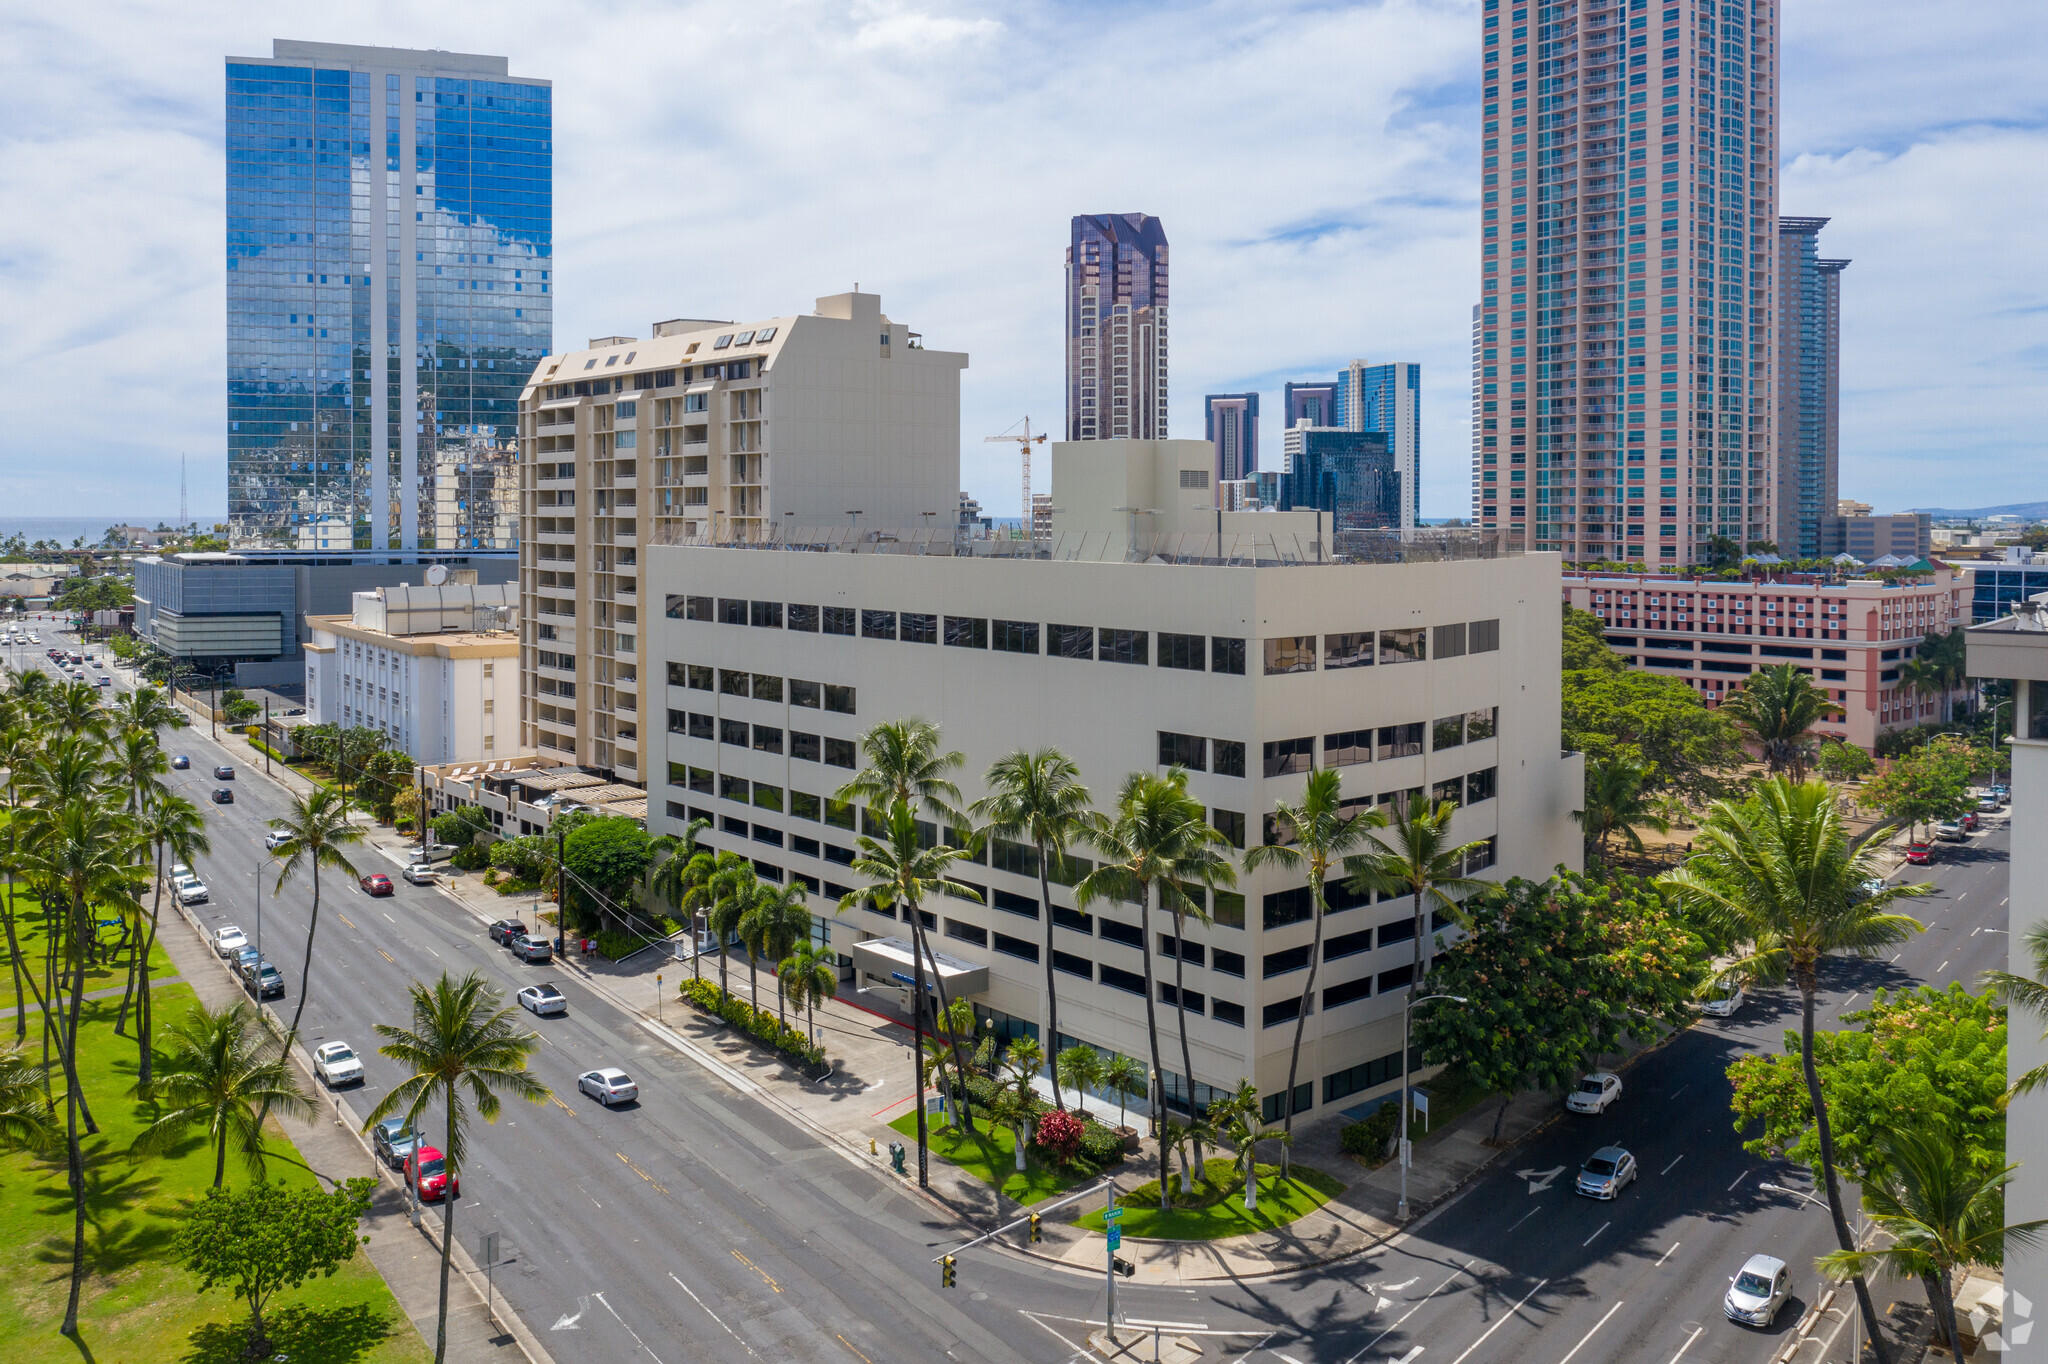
(223,796)
(505,930)
(181,762)
(263,980)
(223,773)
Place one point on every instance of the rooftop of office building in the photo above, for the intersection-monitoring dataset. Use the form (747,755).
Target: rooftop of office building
(1228,550)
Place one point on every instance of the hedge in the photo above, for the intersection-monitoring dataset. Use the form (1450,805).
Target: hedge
(761,1023)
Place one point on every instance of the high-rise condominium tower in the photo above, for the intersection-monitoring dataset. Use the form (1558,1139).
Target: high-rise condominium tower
(1231,424)
(389,263)
(1116,328)
(1624,368)
(1809,386)
(1387,398)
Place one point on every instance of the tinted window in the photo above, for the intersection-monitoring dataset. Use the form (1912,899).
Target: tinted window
(966,632)
(1182,651)
(697,608)
(1291,654)
(1404,646)
(732,611)
(1448,732)
(1016,636)
(734,683)
(1400,741)
(1479,785)
(1483,636)
(838,620)
(1229,823)
(1183,750)
(1224,1012)
(1289,755)
(700,676)
(919,627)
(1450,641)
(1348,651)
(767,614)
(803,618)
(1481,724)
(734,732)
(805,746)
(1347,747)
(1121,646)
(767,739)
(1071,641)
(1229,757)
(878,624)
(767,688)
(805,694)
(839,699)
(1015,947)
(839,753)
(1226,656)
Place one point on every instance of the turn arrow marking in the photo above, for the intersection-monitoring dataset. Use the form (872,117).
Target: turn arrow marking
(1539,1180)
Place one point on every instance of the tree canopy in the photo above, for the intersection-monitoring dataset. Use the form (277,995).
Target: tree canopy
(1930,783)
(1616,713)
(608,855)
(267,1236)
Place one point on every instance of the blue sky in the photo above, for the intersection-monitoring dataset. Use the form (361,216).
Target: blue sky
(1315,165)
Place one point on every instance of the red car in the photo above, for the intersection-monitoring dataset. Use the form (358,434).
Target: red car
(429,1168)
(377,883)
(1969,821)
(1919,854)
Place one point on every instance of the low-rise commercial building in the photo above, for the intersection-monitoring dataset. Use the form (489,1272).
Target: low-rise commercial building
(1906,535)
(1849,637)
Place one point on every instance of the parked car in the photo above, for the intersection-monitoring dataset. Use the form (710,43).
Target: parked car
(544,1000)
(276,839)
(1595,1092)
(223,773)
(263,980)
(608,1086)
(1919,854)
(378,884)
(1606,1173)
(421,874)
(1987,804)
(336,1063)
(179,870)
(1724,1006)
(1969,821)
(426,1170)
(190,890)
(437,852)
(1949,831)
(244,959)
(228,940)
(223,796)
(393,1141)
(532,949)
(505,930)
(2002,792)
(1756,1294)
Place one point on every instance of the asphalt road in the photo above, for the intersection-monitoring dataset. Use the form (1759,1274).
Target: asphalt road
(700,1224)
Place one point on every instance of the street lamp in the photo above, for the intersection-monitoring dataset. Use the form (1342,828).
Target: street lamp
(1780,1188)
(1407,1010)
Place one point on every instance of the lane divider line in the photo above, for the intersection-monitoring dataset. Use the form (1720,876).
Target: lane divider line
(1697,1332)
(721,1322)
(1590,1334)
(1505,1318)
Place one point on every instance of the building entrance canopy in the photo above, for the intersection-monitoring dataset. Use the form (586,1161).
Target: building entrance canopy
(891,959)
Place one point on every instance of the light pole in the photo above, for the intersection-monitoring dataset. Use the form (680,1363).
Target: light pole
(1407,1011)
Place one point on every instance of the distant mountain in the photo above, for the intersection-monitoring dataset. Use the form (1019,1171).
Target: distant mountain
(2028,509)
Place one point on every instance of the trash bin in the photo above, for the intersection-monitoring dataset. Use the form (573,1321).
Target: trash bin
(896,1156)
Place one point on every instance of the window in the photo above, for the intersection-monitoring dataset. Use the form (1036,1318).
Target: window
(877,624)
(1347,992)
(694,608)
(1229,823)
(1480,858)
(1182,651)
(1481,724)
(1397,978)
(1450,641)
(973,933)
(767,688)
(1195,1001)
(1122,646)
(1291,654)
(839,753)
(678,673)
(1016,947)
(805,746)
(1019,859)
(1284,1011)
(838,620)
(1070,641)
(1074,920)
(736,827)
(1289,755)
(804,694)
(767,739)
(1480,785)
(1448,732)
(839,813)
(1284,907)
(1348,651)
(966,632)
(700,782)
(1226,656)
(1071,964)
(1012,903)
(1404,646)
(1128,981)
(1127,934)
(733,788)
(1483,636)
(1452,791)
(803,806)
(919,627)
(678,722)
(766,614)
(839,700)
(803,618)
(700,726)
(732,611)
(1400,741)
(1224,1011)
(1229,757)
(734,732)
(1192,953)
(1228,912)
(1183,750)
(734,683)
(842,856)
(1347,944)
(1283,962)
(1347,747)
(1016,636)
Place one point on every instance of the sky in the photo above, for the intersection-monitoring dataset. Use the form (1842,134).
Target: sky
(1315,165)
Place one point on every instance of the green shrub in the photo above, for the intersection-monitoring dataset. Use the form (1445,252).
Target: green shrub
(614,944)
(470,857)
(1100,1145)
(761,1023)
(1369,1136)
(513,885)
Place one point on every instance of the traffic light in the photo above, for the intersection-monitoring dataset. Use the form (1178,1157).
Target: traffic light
(1036,1234)
(947,1264)
(1122,1266)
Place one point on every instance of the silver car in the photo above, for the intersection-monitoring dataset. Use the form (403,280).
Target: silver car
(608,1086)
(1606,1173)
(1755,1295)
(543,1000)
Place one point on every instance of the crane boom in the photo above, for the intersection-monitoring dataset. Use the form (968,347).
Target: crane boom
(1024,443)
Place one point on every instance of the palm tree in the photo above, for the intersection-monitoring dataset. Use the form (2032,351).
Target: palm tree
(146,710)
(731,889)
(1940,1214)
(25,1120)
(462,1042)
(1123,1076)
(1038,798)
(776,920)
(2029,995)
(1777,707)
(1776,873)
(175,825)
(316,830)
(1081,1067)
(1247,1130)
(1016,1103)
(900,870)
(1322,834)
(218,1071)
(674,877)
(1617,803)
(1158,836)
(810,973)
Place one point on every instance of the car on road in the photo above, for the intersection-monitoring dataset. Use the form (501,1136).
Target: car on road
(223,773)
(223,796)
(229,940)
(608,1086)
(1755,1295)
(543,1000)
(1606,1173)
(1919,854)
(421,874)
(393,1141)
(105,681)
(336,1063)
(1725,1005)
(263,980)
(1969,821)
(1987,804)
(2003,793)
(1949,831)
(190,890)
(1595,1092)
(245,958)
(426,1171)
(531,949)
(276,839)
(377,883)
(505,930)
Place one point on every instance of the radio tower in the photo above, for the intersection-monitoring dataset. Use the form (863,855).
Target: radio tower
(182,516)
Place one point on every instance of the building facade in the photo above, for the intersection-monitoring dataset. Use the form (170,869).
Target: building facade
(734,431)
(1849,637)
(1809,387)
(1230,422)
(433,668)
(1629,204)
(1388,399)
(1904,535)
(389,276)
(1116,327)
(1314,404)
(1430,678)
(1351,476)
(1997,586)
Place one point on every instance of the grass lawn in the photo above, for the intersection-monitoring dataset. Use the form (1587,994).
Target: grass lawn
(990,1155)
(137,1304)
(1216,1206)
(28,933)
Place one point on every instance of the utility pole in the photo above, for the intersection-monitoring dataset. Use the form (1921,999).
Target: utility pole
(420,785)
(266,735)
(561,887)
(213,703)
(1111,1215)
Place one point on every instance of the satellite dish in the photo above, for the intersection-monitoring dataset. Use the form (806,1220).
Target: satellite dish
(437,574)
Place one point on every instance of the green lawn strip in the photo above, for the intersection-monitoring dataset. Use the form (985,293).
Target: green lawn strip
(1216,1206)
(1451,1096)
(990,1155)
(138,1304)
(29,935)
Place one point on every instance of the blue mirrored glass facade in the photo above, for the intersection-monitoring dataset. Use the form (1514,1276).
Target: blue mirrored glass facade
(389,290)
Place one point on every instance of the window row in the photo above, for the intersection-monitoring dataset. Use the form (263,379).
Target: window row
(1364,648)
(1352,746)
(763,687)
(1224,757)
(814,748)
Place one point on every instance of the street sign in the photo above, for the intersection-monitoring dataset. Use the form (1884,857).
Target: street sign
(1116,1237)
(1112,1214)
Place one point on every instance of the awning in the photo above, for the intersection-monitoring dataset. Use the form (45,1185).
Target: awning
(890,959)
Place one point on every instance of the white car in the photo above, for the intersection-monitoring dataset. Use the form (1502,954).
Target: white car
(1724,1006)
(190,890)
(276,839)
(1756,1294)
(608,1086)
(179,871)
(1595,1092)
(337,1064)
(543,1000)
(421,874)
(229,942)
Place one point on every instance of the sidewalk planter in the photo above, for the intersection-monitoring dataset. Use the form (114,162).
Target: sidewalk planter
(761,1024)
(1130,1136)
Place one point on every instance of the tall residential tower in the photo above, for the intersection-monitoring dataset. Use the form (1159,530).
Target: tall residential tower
(389,261)
(1809,387)
(1116,328)
(1629,194)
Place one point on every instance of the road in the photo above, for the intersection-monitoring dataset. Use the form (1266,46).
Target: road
(701,1223)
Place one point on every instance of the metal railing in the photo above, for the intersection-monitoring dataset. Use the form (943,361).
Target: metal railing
(1281,549)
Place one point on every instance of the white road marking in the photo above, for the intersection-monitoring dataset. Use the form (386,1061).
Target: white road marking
(1678,1091)
(636,1335)
(715,1317)
(1417,1308)
(1409,1358)
(1937,971)
(392,921)
(1845,1004)
(1697,1332)
(565,1322)
(1738,1179)
(1505,1318)
(1171,1325)
(1410,1283)
(1589,1240)
(1575,1349)
(1667,1254)
(1672,1166)
(1539,1180)
(1525,1217)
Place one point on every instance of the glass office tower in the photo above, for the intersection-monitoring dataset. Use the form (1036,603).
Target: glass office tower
(389,278)
(1116,327)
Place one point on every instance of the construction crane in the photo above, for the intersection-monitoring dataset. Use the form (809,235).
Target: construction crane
(1024,444)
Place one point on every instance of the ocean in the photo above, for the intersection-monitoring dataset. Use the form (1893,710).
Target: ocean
(65,529)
